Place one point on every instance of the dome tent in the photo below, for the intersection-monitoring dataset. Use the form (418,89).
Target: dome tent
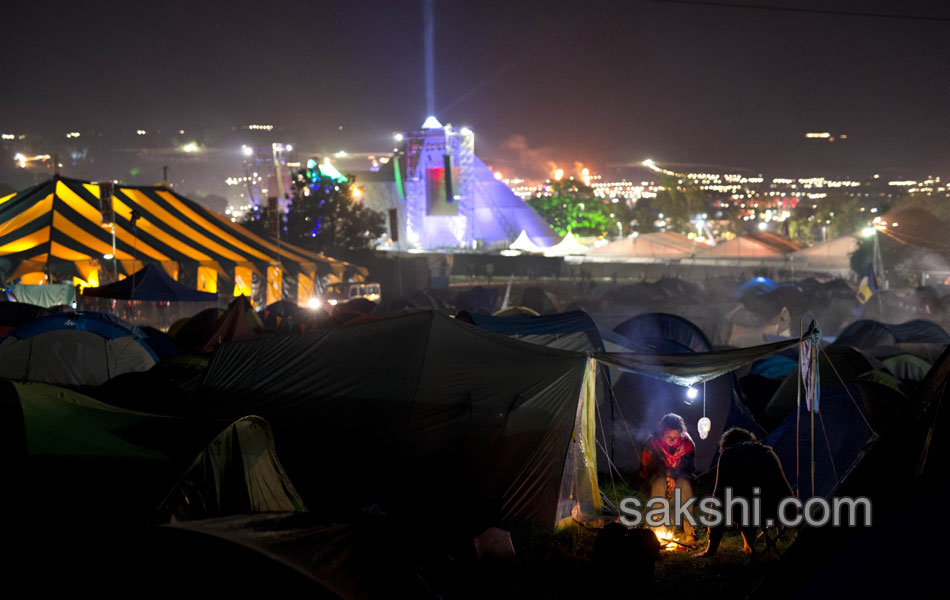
(74,349)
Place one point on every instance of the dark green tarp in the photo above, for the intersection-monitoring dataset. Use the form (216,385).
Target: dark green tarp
(418,411)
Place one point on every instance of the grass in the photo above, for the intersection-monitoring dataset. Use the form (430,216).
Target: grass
(553,565)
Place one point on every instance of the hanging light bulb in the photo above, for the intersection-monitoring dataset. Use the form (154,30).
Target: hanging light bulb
(691,394)
(704,426)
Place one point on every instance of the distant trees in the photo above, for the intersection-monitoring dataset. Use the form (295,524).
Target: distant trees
(839,213)
(324,216)
(569,205)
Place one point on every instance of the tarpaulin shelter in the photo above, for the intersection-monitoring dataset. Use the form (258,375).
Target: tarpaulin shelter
(56,228)
(74,349)
(149,295)
(151,283)
(420,407)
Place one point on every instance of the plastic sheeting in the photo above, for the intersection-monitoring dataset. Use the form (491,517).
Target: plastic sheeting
(45,295)
(690,369)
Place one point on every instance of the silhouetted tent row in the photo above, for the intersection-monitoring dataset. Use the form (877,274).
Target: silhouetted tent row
(509,426)
(867,334)
(56,227)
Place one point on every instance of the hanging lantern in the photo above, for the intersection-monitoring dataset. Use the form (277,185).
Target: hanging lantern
(704,426)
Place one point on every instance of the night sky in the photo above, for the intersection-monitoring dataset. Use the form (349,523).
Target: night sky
(596,83)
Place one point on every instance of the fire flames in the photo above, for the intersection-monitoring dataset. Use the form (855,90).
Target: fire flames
(666,539)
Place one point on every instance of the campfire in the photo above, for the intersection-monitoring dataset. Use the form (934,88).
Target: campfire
(669,542)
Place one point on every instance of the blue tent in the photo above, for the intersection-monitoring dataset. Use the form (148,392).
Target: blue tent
(840,433)
(866,333)
(74,349)
(150,283)
(557,324)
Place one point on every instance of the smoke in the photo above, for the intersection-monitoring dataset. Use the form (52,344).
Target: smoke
(527,162)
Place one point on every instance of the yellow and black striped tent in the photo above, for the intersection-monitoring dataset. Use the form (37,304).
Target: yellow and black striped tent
(55,229)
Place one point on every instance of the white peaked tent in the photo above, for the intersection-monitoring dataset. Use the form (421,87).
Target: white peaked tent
(524,244)
(833,256)
(567,246)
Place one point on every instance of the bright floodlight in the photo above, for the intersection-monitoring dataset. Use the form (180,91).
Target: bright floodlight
(691,393)
(398,137)
(431,123)
(867,232)
(190,147)
(763,226)
(313,303)
(247,150)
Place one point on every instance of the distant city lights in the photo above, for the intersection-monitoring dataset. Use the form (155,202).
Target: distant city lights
(72,134)
(190,147)
(140,132)
(257,127)
(8,136)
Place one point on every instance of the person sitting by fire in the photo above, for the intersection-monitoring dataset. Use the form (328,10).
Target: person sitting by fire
(746,464)
(668,462)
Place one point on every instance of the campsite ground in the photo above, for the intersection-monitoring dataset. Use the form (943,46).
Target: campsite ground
(550,565)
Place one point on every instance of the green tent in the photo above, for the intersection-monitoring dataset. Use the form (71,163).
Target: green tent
(421,413)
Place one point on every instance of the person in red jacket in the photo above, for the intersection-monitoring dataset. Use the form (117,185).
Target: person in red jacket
(669,462)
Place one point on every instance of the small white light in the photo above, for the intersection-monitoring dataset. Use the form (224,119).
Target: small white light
(289,148)
(108,256)
(691,393)
(331,302)
(398,137)
(703,426)
(247,150)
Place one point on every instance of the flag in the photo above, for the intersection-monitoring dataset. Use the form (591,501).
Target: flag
(866,289)
(868,286)
(808,350)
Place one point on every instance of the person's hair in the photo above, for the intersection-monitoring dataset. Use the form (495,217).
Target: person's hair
(672,421)
(735,435)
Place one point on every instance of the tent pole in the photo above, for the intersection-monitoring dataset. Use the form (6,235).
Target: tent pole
(812,412)
(798,413)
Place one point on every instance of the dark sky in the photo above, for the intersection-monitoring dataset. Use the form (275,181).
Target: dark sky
(593,82)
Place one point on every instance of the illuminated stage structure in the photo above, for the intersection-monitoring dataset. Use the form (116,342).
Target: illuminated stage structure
(438,195)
